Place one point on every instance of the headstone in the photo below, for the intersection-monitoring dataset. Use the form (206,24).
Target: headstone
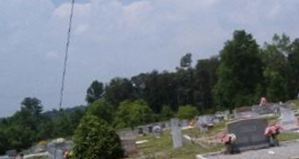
(163,125)
(157,130)
(129,146)
(176,133)
(288,119)
(249,133)
(226,114)
(140,131)
(56,149)
(204,122)
(150,129)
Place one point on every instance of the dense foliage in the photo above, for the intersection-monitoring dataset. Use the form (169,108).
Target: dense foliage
(242,73)
(187,112)
(30,125)
(95,139)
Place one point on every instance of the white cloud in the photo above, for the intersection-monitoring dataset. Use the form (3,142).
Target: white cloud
(111,38)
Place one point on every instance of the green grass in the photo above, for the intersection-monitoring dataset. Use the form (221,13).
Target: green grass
(296,103)
(286,136)
(162,147)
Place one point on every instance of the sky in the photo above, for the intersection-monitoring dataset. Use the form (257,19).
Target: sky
(119,38)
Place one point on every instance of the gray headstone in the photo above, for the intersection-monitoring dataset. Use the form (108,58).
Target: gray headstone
(140,131)
(129,146)
(150,129)
(157,129)
(56,150)
(249,133)
(288,119)
(225,114)
(204,122)
(176,133)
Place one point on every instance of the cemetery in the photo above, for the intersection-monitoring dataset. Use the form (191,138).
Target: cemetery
(202,138)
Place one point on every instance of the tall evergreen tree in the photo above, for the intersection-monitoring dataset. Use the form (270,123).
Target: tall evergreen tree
(94,92)
(240,71)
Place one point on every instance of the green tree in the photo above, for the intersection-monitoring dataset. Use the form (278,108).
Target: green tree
(95,139)
(186,61)
(293,59)
(205,79)
(133,113)
(3,141)
(166,113)
(102,109)
(239,73)
(118,90)
(32,106)
(276,68)
(94,92)
(185,78)
(62,125)
(187,112)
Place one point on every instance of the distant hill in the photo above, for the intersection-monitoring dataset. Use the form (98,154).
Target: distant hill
(54,113)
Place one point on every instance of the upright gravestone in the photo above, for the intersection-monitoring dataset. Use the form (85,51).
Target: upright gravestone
(288,119)
(140,131)
(249,133)
(129,146)
(176,133)
(150,129)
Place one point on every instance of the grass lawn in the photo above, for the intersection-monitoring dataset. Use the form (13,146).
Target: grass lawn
(296,102)
(286,136)
(161,148)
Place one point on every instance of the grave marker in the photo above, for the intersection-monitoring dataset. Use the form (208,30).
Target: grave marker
(176,133)
(249,133)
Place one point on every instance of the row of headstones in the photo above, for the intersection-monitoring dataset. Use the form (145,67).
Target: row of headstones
(257,110)
(270,108)
(202,122)
(288,119)
(150,128)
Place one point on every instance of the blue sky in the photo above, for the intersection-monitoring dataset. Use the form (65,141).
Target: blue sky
(119,38)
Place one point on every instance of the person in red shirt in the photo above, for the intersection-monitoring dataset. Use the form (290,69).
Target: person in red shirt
(228,140)
(272,131)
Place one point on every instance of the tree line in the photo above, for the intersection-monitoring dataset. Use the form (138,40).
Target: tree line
(242,73)
(239,75)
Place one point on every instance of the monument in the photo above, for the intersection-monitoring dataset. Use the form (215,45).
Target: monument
(249,133)
(176,133)
(129,146)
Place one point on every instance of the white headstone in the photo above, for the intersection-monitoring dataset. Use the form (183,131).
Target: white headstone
(176,133)
(288,119)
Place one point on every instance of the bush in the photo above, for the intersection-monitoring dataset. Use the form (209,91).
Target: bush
(187,112)
(95,139)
